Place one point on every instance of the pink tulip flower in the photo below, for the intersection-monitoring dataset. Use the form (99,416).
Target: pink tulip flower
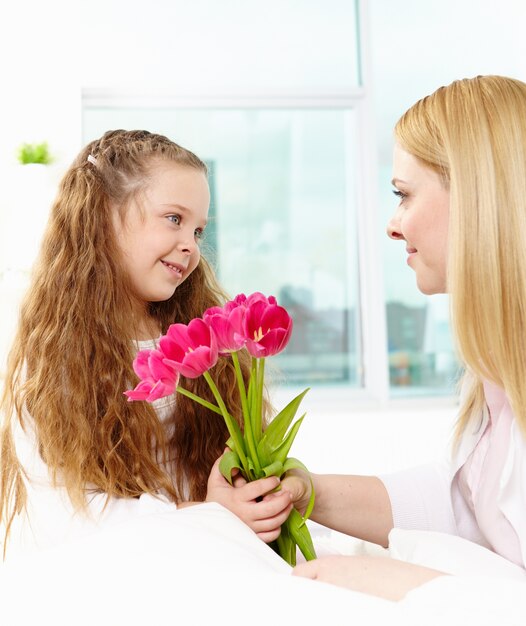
(239,300)
(190,349)
(227,324)
(267,326)
(157,378)
(257,296)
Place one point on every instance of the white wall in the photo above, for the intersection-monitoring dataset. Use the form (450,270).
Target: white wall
(360,440)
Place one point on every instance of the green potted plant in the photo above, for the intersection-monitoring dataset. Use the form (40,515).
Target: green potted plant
(34,153)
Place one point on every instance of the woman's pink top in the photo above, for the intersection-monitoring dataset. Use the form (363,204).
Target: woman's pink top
(479,478)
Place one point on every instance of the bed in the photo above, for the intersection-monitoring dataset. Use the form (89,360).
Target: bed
(202,565)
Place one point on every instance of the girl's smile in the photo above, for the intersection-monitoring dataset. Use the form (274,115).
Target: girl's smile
(174,268)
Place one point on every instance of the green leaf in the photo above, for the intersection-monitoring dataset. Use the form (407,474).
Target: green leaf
(301,534)
(286,545)
(239,435)
(229,461)
(292,463)
(274,469)
(280,454)
(250,472)
(264,451)
(279,425)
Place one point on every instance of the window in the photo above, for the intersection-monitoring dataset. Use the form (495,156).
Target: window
(286,128)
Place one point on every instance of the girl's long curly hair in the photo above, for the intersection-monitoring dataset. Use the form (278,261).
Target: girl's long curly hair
(72,356)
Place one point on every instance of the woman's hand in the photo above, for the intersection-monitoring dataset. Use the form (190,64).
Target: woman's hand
(298,483)
(255,503)
(379,576)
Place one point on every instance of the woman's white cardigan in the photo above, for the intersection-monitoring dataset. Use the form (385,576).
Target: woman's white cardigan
(428,497)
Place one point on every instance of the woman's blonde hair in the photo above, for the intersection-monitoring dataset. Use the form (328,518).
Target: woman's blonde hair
(473,133)
(72,356)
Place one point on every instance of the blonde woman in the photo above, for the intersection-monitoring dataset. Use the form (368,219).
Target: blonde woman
(460,176)
(120,261)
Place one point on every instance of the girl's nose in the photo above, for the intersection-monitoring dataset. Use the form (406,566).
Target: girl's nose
(187,243)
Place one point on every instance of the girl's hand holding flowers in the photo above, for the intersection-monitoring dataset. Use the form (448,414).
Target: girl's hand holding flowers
(256,502)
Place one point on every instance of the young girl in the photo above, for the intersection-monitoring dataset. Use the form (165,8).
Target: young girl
(460,176)
(119,262)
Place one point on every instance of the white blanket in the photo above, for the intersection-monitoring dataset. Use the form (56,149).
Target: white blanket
(201,565)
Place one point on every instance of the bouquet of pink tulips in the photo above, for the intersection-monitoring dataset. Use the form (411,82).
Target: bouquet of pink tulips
(256,324)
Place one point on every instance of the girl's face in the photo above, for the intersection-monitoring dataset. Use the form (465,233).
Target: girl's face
(421,220)
(159,236)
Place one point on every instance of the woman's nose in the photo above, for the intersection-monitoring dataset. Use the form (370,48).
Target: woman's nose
(393,228)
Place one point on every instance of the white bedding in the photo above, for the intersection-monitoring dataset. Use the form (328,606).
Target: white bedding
(201,565)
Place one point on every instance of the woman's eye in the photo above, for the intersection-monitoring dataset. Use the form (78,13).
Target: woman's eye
(175,219)
(199,233)
(399,194)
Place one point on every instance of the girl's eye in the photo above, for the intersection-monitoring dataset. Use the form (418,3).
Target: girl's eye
(175,219)
(199,233)
(400,194)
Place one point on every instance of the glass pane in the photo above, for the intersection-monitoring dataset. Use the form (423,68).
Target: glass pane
(283,219)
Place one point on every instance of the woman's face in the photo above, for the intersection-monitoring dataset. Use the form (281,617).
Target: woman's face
(421,220)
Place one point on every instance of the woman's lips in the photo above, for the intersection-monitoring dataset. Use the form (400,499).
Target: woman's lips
(410,253)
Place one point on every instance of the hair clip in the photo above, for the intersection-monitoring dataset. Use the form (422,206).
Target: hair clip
(92,159)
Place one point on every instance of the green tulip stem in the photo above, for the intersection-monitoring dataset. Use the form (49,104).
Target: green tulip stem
(202,401)
(246,414)
(229,422)
(259,387)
